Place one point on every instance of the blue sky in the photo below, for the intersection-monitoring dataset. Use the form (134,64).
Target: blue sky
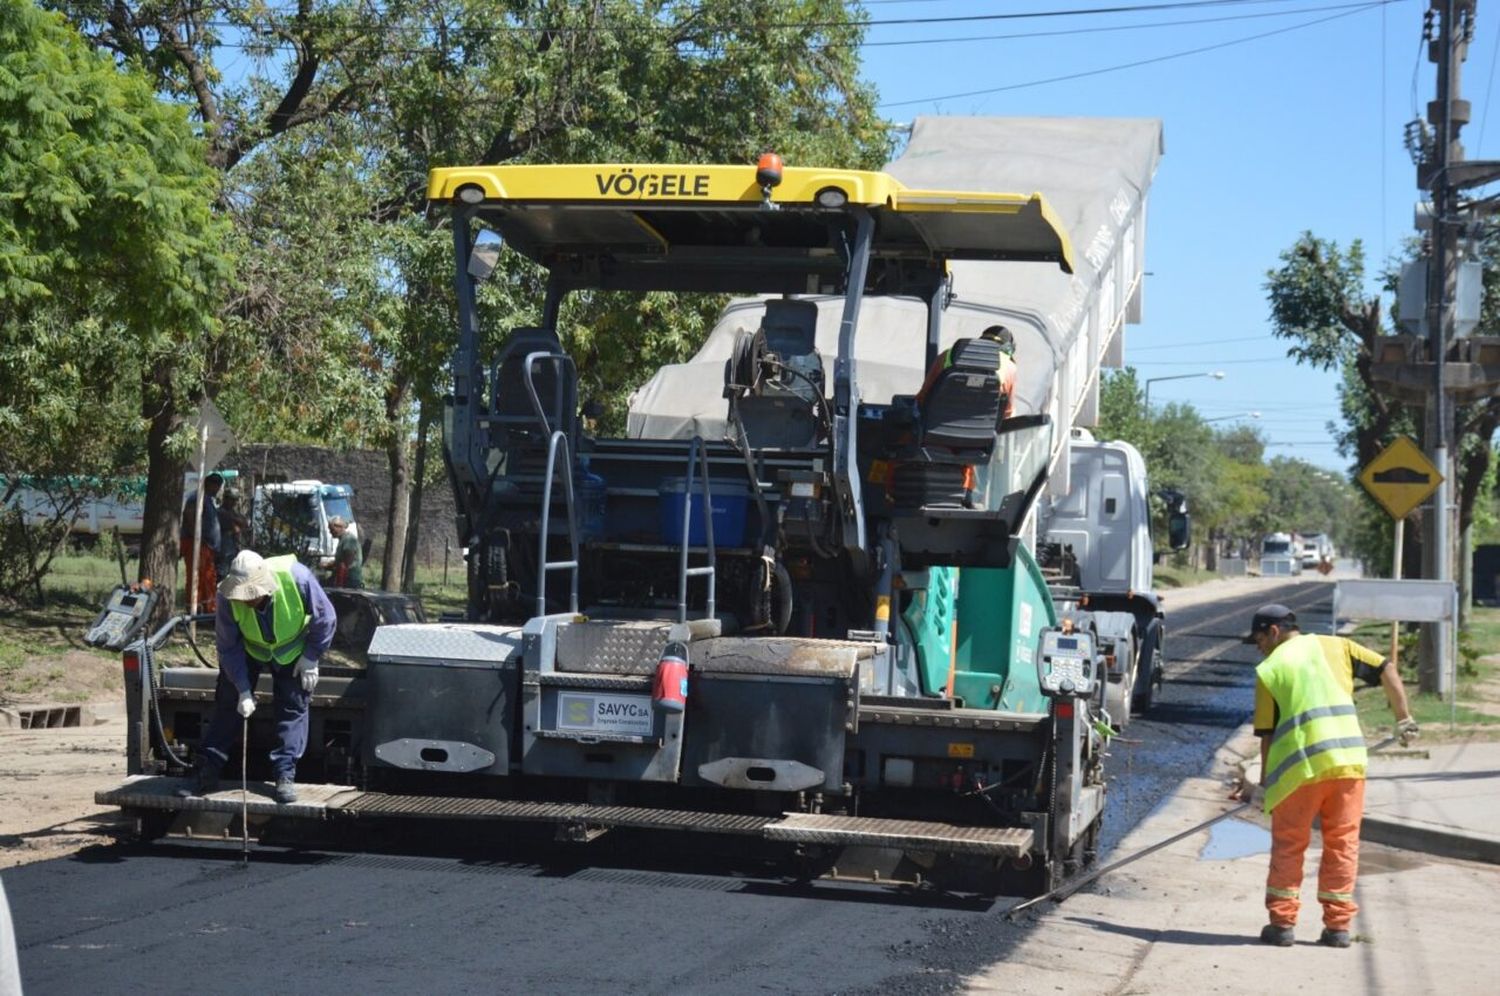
(1264,139)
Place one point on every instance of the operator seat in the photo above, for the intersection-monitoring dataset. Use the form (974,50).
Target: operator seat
(963,406)
(782,412)
(513,417)
(940,435)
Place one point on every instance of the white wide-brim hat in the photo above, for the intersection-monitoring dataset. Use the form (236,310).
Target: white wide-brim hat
(249,578)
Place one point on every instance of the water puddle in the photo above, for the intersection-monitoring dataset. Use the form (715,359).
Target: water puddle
(1235,839)
(1386,860)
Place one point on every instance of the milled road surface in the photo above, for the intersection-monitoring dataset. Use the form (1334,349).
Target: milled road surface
(179,917)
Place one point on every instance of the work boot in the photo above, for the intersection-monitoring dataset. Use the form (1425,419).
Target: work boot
(205,780)
(286,790)
(1331,938)
(1282,937)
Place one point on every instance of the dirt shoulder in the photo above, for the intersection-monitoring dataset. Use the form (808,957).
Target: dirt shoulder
(47,783)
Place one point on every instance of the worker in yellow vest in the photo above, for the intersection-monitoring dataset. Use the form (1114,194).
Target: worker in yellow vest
(1005,373)
(272,613)
(1312,763)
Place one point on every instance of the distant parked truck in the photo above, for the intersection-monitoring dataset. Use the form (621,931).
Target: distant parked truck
(287,517)
(1317,549)
(1280,554)
(119,506)
(292,517)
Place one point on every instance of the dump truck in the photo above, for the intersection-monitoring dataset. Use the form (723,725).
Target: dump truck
(1097,545)
(797,601)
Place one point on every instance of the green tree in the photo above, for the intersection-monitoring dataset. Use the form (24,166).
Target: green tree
(112,263)
(1318,304)
(610,80)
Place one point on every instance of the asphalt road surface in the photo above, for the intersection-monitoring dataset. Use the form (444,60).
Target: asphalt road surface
(621,918)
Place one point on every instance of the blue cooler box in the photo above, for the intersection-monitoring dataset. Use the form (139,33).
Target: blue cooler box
(730,501)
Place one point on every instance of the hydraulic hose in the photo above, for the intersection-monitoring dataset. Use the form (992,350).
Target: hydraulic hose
(148,662)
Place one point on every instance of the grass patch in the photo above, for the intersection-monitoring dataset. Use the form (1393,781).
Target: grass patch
(1168,576)
(1484,630)
(1430,711)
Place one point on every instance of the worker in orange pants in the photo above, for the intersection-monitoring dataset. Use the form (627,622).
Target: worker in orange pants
(202,582)
(205,580)
(1312,763)
(1341,803)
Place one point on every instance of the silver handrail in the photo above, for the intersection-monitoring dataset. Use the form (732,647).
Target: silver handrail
(699,450)
(558,395)
(558,438)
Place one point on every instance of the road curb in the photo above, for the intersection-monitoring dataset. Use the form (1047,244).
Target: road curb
(1413,835)
(1409,835)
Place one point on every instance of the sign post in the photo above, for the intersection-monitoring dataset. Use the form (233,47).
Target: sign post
(1400,478)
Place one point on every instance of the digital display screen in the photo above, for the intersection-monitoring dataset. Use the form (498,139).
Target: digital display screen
(1067,643)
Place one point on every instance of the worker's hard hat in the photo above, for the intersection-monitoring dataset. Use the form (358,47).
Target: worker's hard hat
(1000,334)
(1270,615)
(249,578)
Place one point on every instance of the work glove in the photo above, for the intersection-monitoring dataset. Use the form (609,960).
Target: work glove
(307,670)
(1408,731)
(247,704)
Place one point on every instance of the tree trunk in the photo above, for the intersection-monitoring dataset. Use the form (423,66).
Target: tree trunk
(164,473)
(414,517)
(396,455)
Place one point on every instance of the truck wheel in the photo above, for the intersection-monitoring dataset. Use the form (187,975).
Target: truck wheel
(1118,701)
(1148,671)
(1118,698)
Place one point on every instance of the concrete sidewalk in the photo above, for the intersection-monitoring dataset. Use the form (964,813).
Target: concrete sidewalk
(1186,919)
(1447,803)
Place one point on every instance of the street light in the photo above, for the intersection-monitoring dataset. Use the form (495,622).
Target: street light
(1226,418)
(1215,374)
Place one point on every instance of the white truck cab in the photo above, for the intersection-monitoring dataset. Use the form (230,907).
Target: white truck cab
(1099,536)
(1280,554)
(292,517)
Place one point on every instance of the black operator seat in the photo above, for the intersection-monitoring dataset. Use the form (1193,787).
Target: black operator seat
(781,414)
(791,327)
(512,414)
(962,408)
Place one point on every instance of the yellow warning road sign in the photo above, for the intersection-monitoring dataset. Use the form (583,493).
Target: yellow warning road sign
(1400,477)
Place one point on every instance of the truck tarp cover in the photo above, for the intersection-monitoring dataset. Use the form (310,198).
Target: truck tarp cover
(1095,173)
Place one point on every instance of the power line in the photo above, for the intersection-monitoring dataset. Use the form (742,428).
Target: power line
(1489,89)
(1213,363)
(1141,62)
(1068,32)
(1136,8)
(1197,342)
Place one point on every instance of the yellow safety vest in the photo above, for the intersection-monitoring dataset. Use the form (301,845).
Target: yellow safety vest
(1318,735)
(289,618)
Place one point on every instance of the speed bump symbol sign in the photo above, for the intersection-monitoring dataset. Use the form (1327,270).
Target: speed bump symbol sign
(1400,477)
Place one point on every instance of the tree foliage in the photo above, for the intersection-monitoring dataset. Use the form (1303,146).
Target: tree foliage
(1236,495)
(344,323)
(111,259)
(1318,305)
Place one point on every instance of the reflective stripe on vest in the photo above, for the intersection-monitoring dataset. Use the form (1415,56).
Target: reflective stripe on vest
(1320,732)
(289,618)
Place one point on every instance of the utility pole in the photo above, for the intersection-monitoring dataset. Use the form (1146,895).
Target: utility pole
(1448,357)
(1447,115)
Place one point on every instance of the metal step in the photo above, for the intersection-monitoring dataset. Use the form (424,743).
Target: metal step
(904,835)
(379,804)
(160,792)
(325,801)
